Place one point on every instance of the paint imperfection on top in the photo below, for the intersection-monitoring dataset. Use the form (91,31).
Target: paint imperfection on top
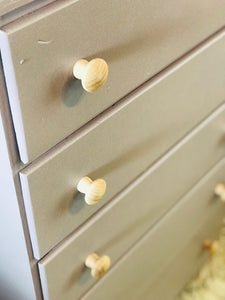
(23,60)
(42,42)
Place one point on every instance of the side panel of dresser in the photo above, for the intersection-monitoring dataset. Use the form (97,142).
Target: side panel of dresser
(15,274)
(16,280)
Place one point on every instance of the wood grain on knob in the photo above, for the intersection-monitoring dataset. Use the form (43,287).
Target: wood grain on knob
(212,246)
(220,191)
(98,265)
(93,74)
(93,190)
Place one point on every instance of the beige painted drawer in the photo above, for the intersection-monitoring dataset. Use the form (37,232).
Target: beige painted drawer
(11,10)
(118,225)
(185,265)
(136,38)
(9,5)
(196,217)
(119,147)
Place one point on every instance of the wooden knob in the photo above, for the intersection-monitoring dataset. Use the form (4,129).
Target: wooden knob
(98,265)
(93,74)
(220,191)
(212,246)
(93,190)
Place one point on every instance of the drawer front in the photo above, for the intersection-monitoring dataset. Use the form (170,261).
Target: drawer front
(186,264)
(136,38)
(117,148)
(9,5)
(118,225)
(198,214)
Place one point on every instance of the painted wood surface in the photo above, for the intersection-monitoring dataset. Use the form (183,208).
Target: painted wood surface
(198,215)
(15,272)
(124,220)
(121,145)
(136,38)
(9,5)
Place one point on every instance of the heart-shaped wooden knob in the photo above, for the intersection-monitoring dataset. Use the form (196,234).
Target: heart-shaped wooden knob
(93,190)
(220,191)
(212,246)
(98,265)
(93,74)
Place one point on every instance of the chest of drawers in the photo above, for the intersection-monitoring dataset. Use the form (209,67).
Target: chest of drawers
(154,132)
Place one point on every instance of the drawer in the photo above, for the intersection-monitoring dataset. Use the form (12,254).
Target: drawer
(8,5)
(136,38)
(132,213)
(11,10)
(185,266)
(119,147)
(190,221)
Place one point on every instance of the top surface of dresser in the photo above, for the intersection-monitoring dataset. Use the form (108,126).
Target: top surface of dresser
(137,39)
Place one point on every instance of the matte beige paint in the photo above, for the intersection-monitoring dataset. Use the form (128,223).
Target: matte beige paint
(9,5)
(119,146)
(123,221)
(197,216)
(136,38)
